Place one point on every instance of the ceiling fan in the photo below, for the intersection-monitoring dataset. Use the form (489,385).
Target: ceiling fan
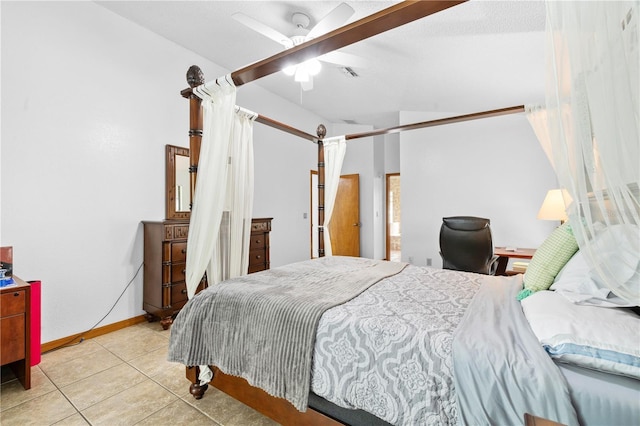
(304,72)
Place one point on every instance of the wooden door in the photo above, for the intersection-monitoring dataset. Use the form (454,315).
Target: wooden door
(345,221)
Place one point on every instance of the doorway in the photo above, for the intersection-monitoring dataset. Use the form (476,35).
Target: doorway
(345,223)
(394,234)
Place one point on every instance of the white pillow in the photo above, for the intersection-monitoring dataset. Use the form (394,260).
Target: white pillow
(575,282)
(601,339)
(618,251)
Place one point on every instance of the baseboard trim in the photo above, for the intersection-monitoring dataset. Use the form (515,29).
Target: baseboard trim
(71,340)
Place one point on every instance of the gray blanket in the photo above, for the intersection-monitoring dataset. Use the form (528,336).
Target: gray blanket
(262,327)
(500,368)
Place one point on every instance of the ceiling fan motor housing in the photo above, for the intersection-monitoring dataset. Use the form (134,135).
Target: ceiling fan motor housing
(300,20)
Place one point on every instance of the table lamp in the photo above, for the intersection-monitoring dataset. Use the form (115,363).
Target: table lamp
(553,207)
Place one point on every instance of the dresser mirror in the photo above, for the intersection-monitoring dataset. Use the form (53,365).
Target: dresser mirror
(178,186)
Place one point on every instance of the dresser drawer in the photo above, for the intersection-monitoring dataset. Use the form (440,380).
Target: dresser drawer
(257,267)
(176,232)
(178,252)
(257,257)
(178,272)
(13,303)
(178,293)
(261,225)
(257,242)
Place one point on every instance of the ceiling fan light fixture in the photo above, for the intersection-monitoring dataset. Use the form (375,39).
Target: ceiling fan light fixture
(313,66)
(301,75)
(290,70)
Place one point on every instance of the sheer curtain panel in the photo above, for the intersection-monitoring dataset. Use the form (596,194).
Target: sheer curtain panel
(334,151)
(593,112)
(221,215)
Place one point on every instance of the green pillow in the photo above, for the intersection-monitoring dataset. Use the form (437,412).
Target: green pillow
(547,261)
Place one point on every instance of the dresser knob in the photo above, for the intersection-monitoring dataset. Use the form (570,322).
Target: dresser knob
(16,294)
(184,291)
(184,271)
(258,257)
(184,250)
(258,241)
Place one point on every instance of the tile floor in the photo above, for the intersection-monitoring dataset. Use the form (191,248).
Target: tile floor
(120,378)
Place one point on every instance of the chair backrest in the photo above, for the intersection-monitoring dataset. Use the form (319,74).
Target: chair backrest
(466,244)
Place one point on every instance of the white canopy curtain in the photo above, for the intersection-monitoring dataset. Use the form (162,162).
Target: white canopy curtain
(592,119)
(334,151)
(220,222)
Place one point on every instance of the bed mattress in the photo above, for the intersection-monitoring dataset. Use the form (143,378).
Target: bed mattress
(600,398)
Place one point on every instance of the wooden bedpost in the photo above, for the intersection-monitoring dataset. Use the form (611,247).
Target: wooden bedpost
(321,131)
(195,77)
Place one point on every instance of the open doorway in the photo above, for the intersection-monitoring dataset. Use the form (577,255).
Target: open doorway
(394,234)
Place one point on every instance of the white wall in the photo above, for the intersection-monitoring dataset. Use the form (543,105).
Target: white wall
(492,168)
(89,102)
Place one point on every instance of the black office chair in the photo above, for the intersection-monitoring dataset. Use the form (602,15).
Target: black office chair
(466,245)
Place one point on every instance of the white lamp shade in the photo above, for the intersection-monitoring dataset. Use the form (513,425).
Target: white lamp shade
(553,206)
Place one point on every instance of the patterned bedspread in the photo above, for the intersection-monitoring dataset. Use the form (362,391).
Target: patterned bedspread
(388,351)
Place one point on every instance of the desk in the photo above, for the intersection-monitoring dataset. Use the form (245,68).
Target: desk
(504,255)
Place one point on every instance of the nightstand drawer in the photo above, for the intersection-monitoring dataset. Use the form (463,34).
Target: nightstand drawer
(13,338)
(13,303)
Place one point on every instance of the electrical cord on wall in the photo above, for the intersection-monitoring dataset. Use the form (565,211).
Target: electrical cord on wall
(68,343)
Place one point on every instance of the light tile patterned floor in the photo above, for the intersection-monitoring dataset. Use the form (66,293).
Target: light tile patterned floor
(121,378)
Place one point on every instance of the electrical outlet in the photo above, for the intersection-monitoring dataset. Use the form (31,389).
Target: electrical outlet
(428,261)
(410,259)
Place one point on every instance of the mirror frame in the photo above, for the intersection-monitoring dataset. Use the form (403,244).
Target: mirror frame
(170,185)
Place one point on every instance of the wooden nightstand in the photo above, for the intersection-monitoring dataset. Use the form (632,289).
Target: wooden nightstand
(15,330)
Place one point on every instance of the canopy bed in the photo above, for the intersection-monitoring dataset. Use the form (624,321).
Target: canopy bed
(458,344)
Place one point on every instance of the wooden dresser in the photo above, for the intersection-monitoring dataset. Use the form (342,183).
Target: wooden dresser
(15,320)
(259,245)
(165,254)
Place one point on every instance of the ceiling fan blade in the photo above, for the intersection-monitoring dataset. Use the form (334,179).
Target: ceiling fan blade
(263,29)
(334,19)
(343,58)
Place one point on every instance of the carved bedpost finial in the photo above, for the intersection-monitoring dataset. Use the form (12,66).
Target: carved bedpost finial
(195,76)
(321,131)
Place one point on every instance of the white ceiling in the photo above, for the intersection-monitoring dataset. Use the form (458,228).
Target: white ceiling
(472,57)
